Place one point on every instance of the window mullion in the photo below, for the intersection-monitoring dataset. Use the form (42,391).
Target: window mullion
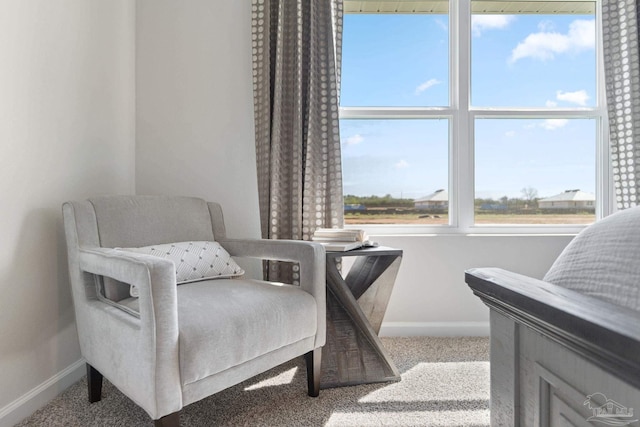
(604,174)
(462,165)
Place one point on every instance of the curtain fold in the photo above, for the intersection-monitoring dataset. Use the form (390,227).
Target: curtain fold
(296,77)
(622,76)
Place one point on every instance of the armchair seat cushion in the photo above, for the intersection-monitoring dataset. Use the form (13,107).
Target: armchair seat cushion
(213,314)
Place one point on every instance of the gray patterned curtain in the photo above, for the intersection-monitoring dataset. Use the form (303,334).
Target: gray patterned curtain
(622,75)
(296,75)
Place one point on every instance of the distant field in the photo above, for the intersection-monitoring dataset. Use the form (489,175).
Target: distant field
(383,218)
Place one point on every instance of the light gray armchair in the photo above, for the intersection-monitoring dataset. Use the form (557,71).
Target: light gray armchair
(177,344)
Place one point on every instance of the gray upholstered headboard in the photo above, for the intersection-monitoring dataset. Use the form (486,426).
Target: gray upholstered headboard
(603,261)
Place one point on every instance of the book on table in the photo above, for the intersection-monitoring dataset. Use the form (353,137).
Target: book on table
(341,240)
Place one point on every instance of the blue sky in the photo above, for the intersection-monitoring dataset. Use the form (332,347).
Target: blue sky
(517,60)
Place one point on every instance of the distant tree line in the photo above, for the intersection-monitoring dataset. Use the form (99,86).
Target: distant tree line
(385,201)
(505,203)
(529,200)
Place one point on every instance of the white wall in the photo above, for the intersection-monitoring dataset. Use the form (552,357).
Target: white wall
(194,118)
(430,296)
(66,131)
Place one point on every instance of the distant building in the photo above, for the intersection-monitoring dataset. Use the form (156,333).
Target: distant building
(570,199)
(437,200)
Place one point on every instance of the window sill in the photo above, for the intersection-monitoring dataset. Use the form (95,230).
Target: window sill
(488,230)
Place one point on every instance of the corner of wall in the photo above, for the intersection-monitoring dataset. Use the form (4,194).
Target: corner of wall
(38,397)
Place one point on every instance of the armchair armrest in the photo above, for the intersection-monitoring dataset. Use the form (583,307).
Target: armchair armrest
(147,356)
(310,256)
(127,267)
(602,332)
(154,276)
(281,250)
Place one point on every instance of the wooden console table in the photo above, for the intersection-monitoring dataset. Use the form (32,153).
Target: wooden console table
(353,353)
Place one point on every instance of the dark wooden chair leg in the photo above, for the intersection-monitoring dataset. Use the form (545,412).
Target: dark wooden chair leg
(313,359)
(171,420)
(94,384)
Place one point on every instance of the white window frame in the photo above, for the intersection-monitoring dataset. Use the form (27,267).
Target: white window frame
(461,138)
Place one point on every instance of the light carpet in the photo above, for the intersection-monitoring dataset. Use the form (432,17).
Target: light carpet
(445,382)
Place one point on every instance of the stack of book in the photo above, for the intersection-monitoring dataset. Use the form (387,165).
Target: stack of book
(341,240)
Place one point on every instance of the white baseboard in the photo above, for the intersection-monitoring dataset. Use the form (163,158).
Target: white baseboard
(35,399)
(434,329)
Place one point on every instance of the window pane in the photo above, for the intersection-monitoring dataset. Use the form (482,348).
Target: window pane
(535,171)
(395,60)
(391,166)
(533,60)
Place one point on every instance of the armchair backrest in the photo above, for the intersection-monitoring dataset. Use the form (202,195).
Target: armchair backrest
(135,221)
(603,261)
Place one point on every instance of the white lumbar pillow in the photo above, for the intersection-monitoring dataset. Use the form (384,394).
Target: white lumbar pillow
(193,260)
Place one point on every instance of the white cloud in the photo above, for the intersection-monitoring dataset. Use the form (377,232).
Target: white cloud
(579,97)
(546,26)
(551,104)
(545,45)
(426,85)
(402,164)
(510,133)
(480,23)
(352,140)
(553,124)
